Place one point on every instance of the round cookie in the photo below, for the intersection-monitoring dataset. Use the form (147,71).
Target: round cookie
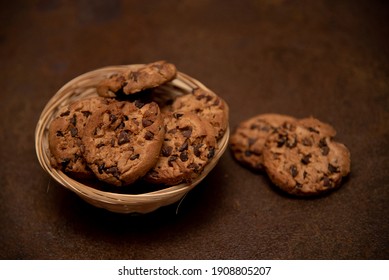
(248,140)
(122,141)
(189,145)
(65,133)
(132,81)
(303,159)
(207,105)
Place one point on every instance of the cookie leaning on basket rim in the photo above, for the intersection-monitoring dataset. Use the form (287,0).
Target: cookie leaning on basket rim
(86,86)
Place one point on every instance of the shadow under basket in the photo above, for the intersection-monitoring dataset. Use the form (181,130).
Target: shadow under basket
(84,86)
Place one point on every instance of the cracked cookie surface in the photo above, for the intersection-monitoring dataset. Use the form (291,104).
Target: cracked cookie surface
(301,158)
(248,140)
(132,81)
(65,133)
(122,141)
(189,144)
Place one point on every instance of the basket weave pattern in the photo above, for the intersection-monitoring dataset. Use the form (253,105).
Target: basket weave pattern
(84,86)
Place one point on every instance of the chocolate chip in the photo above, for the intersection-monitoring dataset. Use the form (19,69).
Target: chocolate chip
(146,122)
(73,120)
(306,142)
(291,143)
(139,104)
(184,156)
(100,168)
(171,159)
(194,166)
(247,153)
(98,146)
(293,171)
(265,128)
(73,131)
(184,146)
(281,140)
(196,149)
(149,135)
(86,113)
(216,102)
(166,151)
(251,141)
(327,182)
(120,126)
(60,133)
(306,158)
(112,118)
(186,131)
(172,131)
(325,150)
(311,129)
(324,147)
(113,170)
(298,185)
(123,138)
(200,96)
(287,125)
(211,152)
(177,115)
(134,157)
(333,169)
(65,113)
(65,162)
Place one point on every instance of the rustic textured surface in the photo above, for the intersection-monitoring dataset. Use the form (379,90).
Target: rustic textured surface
(322,58)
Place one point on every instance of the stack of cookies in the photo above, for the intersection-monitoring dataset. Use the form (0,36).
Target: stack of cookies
(300,156)
(131,132)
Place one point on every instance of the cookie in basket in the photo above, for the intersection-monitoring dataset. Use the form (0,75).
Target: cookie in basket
(207,105)
(189,145)
(303,159)
(122,142)
(248,140)
(135,80)
(65,133)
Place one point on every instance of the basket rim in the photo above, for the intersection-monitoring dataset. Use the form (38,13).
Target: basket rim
(181,80)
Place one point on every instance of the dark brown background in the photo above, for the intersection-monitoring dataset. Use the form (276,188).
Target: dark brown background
(329,59)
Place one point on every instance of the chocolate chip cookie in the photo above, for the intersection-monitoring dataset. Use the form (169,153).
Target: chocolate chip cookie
(189,144)
(248,140)
(207,105)
(65,133)
(122,141)
(135,80)
(302,158)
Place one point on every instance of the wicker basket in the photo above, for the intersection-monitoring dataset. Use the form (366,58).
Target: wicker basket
(83,87)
